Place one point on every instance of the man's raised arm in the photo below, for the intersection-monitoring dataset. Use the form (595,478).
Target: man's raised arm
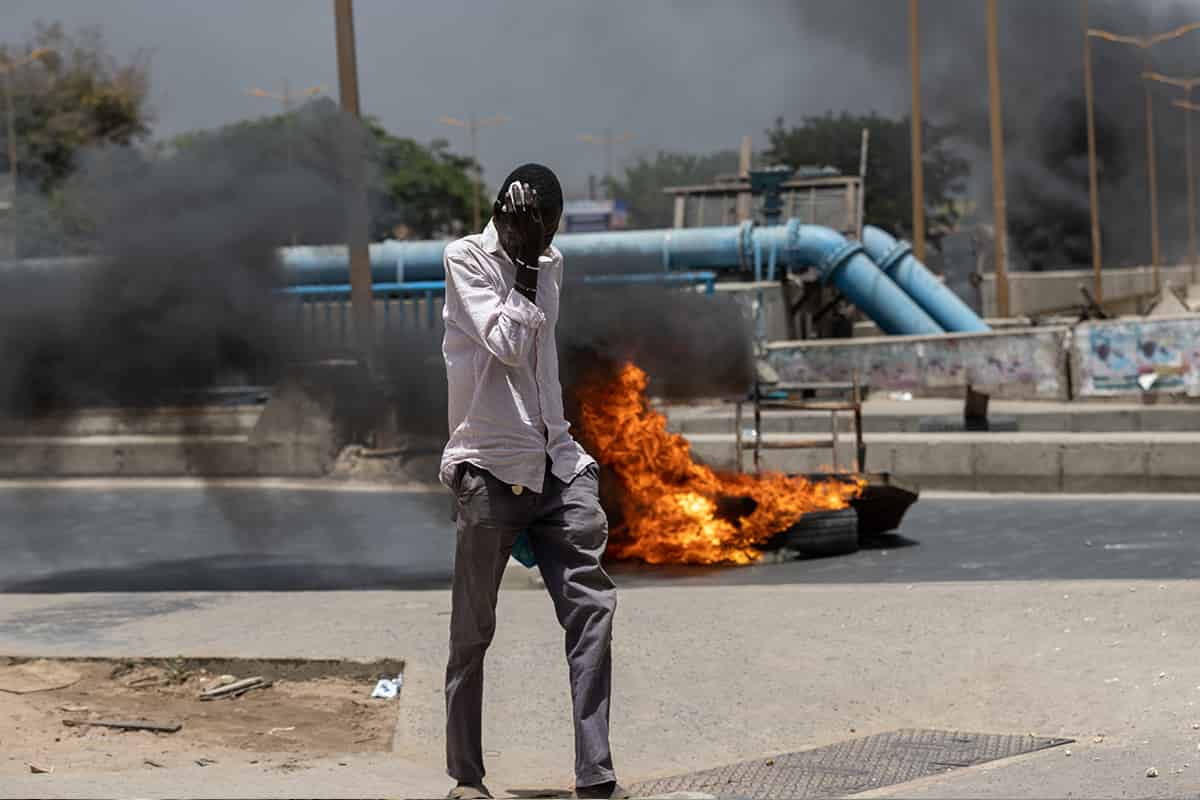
(505,326)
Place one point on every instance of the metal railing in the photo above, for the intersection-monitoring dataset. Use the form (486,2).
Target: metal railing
(323,312)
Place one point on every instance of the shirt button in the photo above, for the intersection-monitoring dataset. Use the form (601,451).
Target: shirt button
(517,488)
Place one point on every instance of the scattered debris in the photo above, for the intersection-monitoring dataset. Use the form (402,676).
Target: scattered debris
(153,727)
(204,762)
(387,688)
(1152,773)
(1196,725)
(149,762)
(69,709)
(41,675)
(40,770)
(770,762)
(235,689)
(1098,738)
(276,731)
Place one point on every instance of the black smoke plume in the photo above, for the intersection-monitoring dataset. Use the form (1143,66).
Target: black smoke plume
(1041,65)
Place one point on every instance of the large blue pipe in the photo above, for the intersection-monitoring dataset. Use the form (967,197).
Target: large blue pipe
(840,262)
(896,260)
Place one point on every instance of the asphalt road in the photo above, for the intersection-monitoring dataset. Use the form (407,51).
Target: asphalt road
(137,537)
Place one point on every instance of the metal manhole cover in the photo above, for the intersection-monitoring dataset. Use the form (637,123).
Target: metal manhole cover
(852,766)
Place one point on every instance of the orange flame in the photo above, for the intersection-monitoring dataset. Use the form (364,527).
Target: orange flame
(669,503)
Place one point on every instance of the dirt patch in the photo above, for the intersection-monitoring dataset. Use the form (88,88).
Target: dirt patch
(311,709)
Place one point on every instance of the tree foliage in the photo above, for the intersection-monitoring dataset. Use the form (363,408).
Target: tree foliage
(835,140)
(642,186)
(75,96)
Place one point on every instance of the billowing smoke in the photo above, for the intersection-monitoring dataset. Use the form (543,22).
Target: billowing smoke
(1041,63)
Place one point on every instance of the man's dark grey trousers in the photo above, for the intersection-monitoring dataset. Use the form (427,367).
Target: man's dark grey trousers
(568,531)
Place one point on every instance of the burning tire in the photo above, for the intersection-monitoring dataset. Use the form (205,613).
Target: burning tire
(822,533)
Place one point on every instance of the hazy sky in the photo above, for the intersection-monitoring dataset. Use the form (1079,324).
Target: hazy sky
(683,75)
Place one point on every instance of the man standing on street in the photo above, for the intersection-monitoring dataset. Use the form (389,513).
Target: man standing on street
(514,468)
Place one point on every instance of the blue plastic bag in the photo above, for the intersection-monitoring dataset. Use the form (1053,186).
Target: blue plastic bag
(523,550)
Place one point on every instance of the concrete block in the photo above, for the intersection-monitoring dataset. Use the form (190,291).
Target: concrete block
(1174,460)
(1105,421)
(1027,464)
(1104,467)
(930,455)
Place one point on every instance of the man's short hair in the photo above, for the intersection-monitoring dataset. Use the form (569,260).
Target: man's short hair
(543,180)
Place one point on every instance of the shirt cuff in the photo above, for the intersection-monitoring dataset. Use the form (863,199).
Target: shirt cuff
(519,309)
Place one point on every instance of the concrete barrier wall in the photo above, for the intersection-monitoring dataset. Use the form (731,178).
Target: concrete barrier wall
(1043,292)
(1110,356)
(1025,364)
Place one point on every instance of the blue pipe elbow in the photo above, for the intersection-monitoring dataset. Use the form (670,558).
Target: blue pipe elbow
(845,264)
(896,260)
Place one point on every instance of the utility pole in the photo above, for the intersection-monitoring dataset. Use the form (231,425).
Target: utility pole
(285,100)
(357,220)
(10,114)
(999,203)
(744,199)
(608,140)
(1187,85)
(918,165)
(1189,106)
(1145,44)
(473,125)
(1093,182)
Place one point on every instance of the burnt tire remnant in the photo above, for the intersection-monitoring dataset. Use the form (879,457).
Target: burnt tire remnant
(822,533)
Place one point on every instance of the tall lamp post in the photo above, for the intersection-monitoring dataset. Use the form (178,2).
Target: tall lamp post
(473,125)
(1187,85)
(607,139)
(285,99)
(999,202)
(918,165)
(1189,106)
(357,219)
(6,69)
(1145,44)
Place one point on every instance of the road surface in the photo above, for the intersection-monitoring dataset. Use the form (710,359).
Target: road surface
(135,536)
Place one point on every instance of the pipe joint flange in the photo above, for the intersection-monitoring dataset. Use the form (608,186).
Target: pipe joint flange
(837,258)
(746,246)
(792,239)
(901,251)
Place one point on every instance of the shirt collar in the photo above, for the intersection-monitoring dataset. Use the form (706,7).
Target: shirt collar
(491,239)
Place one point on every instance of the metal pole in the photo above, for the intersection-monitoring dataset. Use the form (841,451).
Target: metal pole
(1093,183)
(357,219)
(998,195)
(10,114)
(473,128)
(608,143)
(1191,179)
(918,167)
(1152,170)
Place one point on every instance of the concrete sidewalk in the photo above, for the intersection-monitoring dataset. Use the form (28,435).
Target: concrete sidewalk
(704,677)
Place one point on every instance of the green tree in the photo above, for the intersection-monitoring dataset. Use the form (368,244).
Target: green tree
(74,97)
(642,186)
(424,188)
(835,140)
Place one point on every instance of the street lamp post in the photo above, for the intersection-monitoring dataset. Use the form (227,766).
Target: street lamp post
(1145,44)
(285,99)
(1187,85)
(999,201)
(357,217)
(472,124)
(10,114)
(1189,106)
(607,139)
(1093,179)
(918,165)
